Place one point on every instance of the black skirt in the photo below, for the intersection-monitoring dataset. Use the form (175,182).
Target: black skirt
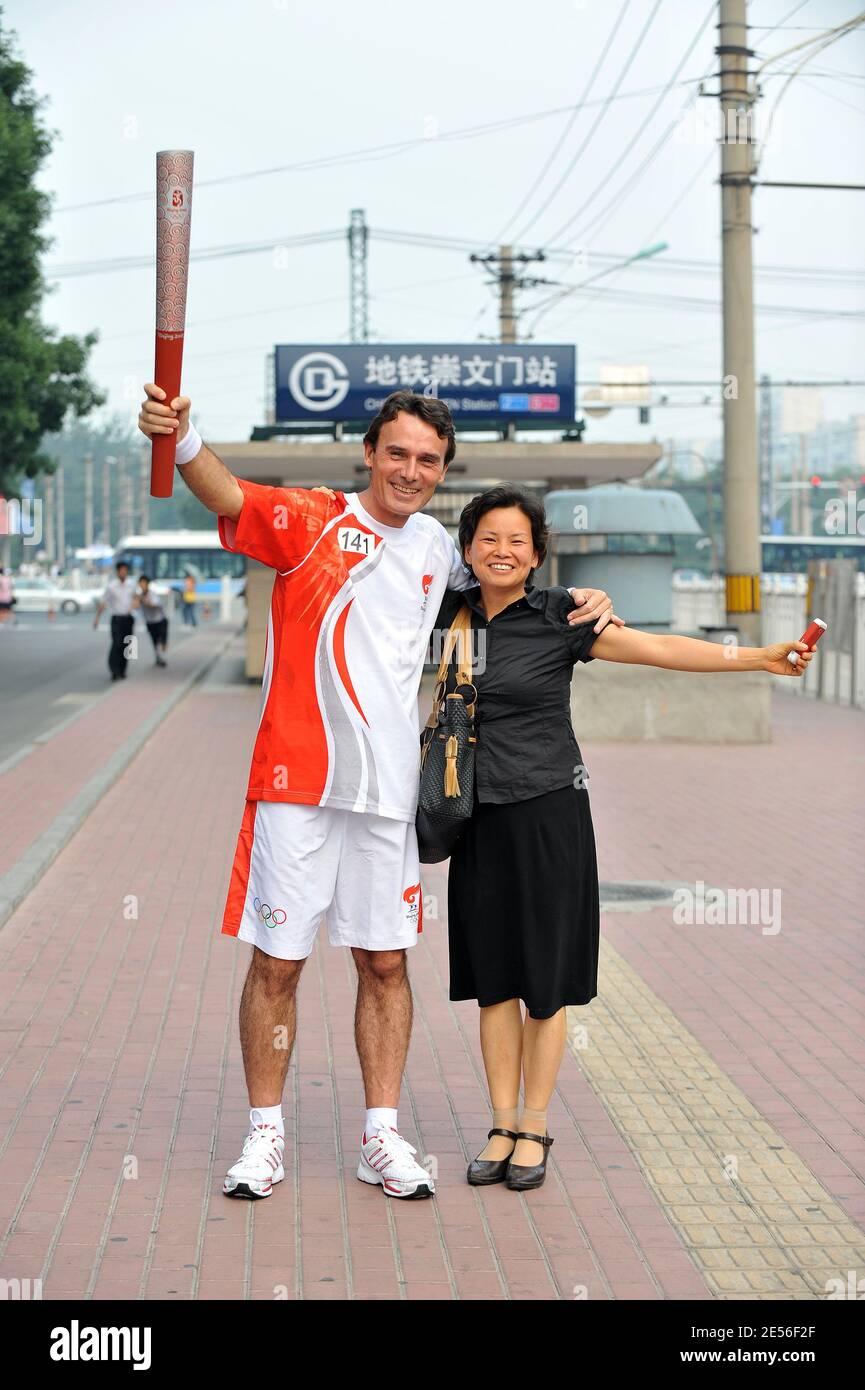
(523,915)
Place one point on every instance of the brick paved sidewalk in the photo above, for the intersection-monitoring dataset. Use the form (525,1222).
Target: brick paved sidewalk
(56,769)
(708,1120)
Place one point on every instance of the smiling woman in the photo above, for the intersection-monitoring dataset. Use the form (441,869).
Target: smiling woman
(523,909)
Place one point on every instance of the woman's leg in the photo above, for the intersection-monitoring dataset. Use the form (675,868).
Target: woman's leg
(502,1045)
(543,1046)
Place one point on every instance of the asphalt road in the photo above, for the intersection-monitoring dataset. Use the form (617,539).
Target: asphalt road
(51,670)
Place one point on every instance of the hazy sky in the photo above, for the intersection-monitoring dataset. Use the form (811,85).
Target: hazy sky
(272,83)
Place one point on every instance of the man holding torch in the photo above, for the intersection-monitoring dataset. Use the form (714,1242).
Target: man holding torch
(329,825)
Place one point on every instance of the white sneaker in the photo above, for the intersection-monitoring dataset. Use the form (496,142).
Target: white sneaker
(386,1158)
(259,1166)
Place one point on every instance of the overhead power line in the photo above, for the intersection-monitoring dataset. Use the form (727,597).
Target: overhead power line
(770,29)
(661,300)
(457,245)
(833,96)
(204,253)
(462,245)
(374,152)
(610,173)
(831,36)
(595,124)
(551,158)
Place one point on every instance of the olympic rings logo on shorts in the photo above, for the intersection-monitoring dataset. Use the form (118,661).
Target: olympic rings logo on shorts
(270,916)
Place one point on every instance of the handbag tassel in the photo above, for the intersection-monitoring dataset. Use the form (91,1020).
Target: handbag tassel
(452,786)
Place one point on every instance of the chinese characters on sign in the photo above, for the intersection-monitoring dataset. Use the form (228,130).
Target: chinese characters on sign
(488,382)
(449,369)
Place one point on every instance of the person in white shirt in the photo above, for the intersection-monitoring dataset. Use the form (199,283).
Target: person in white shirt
(118,599)
(150,604)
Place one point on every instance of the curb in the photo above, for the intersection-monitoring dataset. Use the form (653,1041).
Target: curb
(40,855)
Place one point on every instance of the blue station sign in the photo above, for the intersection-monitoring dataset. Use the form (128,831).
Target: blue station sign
(478,381)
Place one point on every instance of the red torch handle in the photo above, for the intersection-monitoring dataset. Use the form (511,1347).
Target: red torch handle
(811,636)
(166,373)
(173,214)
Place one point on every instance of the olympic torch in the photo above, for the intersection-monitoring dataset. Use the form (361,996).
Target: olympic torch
(173,222)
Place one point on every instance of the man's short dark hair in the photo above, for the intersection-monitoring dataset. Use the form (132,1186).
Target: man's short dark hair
(506,495)
(122,564)
(427,408)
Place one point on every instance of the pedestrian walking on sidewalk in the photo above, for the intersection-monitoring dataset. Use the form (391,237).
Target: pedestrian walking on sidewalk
(118,598)
(523,912)
(7,597)
(329,825)
(153,612)
(188,600)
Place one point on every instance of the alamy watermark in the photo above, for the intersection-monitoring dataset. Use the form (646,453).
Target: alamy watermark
(22,516)
(844,516)
(738,125)
(702,906)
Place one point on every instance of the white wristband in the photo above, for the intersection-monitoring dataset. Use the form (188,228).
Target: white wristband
(188,447)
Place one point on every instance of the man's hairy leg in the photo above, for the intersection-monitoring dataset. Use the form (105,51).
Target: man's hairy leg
(382,1023)
(268,1021)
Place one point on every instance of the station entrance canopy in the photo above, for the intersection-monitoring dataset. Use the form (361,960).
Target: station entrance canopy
(545,466)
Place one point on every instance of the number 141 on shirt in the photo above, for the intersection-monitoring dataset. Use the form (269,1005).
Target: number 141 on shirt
(351,538)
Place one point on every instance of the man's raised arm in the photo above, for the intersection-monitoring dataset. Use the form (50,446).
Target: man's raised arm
(205,474)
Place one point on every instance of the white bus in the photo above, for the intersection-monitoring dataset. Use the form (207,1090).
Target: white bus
(790,554)
(169,556)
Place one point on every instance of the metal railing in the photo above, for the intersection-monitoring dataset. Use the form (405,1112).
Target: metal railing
(839,675)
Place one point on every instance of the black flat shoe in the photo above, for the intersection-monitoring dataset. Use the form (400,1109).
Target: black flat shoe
(482,1172)
(520,1178)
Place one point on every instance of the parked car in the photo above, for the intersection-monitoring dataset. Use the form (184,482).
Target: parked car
(40,594)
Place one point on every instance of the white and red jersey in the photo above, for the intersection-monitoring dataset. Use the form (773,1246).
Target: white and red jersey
(354,603)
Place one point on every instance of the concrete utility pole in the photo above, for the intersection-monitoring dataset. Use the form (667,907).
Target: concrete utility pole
(125,495)
(88,499)
(48,519)
(61,517)
(767,467)
(144,490)
(802,491)
(508,281)
(741,473)
(507,318)
(106,499)
(120,496)
(358,329)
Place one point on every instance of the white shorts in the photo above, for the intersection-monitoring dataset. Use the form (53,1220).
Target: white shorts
(295,864)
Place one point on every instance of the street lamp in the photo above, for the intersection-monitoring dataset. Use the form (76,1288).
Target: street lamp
(643,255)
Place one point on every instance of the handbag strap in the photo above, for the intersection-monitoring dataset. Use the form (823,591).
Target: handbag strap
(459,637)
(463,624)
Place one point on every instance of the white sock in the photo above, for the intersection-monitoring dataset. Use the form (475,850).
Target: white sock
(377,1118)
(267,1115)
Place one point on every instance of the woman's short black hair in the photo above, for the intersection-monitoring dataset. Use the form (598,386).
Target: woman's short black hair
(145,578)
(506,495)
(427,408)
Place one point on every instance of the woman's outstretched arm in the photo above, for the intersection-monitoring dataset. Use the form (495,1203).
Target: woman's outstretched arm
(672,653)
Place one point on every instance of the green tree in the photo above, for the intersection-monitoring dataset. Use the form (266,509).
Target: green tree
(42,374)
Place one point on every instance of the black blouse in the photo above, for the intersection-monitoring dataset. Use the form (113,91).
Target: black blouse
(523,662)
